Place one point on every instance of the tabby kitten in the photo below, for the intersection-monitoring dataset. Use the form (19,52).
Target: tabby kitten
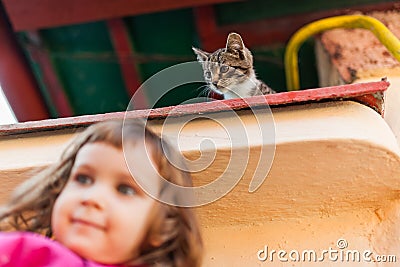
(229,71)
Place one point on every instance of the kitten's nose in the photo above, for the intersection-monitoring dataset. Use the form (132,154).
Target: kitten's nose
(215,84)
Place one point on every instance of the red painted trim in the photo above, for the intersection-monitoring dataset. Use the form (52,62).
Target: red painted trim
(211,36)
(369,94)
(374,101)
(130,74)
(334,93)
(17,80)
(36,14)
(50,79)
(206,26)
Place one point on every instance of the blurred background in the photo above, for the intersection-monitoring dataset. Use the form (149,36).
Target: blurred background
(70,58)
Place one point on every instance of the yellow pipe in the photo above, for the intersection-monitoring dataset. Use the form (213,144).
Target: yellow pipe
(384,35)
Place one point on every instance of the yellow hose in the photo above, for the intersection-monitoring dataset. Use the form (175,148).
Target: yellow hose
(385,36)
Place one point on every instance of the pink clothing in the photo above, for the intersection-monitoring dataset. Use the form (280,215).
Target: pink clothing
(28,249)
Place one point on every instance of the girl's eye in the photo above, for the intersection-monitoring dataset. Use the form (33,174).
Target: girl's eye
(208,74)
(126,190)
(83,179)
(224,68)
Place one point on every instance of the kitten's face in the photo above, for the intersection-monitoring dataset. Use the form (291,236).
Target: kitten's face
(227,68)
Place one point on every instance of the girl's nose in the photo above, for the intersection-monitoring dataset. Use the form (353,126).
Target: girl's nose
(94,197)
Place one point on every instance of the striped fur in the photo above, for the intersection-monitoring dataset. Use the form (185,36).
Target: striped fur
(229,71)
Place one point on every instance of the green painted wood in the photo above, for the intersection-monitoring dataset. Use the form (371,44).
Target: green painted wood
(169,33)
(308,66)
(252,10)
(163,40)
(93,86)
(268,63)
(87,67)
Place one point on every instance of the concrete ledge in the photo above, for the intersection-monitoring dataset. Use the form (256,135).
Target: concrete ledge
(334,175)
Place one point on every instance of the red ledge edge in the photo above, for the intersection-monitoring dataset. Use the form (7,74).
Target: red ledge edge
(369,94)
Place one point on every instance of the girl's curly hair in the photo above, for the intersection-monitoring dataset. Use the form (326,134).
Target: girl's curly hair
(31,204)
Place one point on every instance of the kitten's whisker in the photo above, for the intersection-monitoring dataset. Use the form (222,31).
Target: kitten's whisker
(208,92)
(204,90)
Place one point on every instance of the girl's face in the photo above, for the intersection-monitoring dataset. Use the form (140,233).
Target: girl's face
(101,214)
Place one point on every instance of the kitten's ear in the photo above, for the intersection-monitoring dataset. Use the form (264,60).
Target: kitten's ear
(201,55)
(234,42)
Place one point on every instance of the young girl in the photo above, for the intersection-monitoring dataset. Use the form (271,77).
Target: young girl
(92,211)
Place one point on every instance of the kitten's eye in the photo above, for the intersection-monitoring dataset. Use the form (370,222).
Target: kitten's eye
(223,69)
(83,179)
(126,190)
(207,74)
